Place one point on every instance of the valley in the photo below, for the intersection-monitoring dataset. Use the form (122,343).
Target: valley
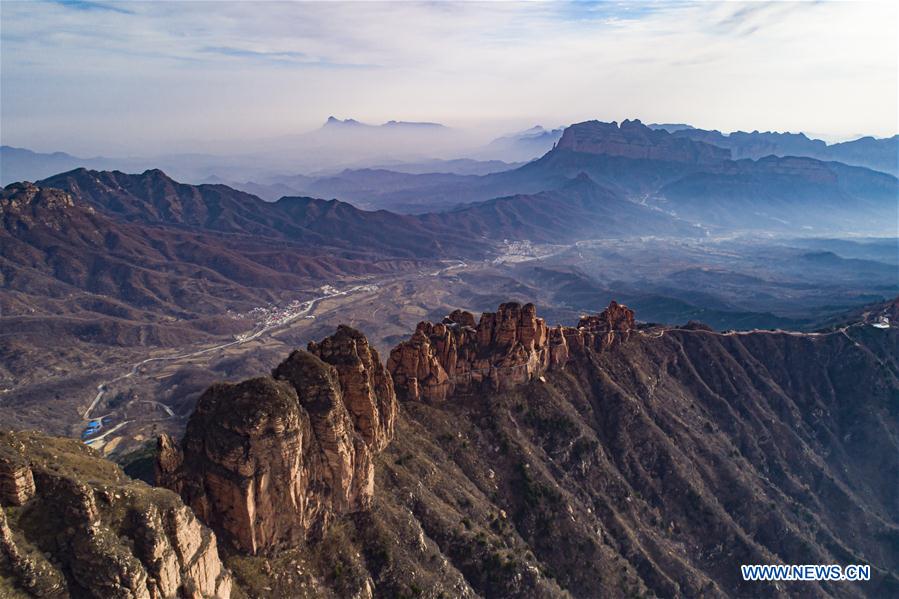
(449,300)
(154,392)
(158,324)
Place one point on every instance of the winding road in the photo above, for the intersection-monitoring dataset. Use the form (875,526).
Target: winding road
(304,309)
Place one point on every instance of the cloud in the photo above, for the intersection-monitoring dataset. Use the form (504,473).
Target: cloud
(87,5)
(97,76)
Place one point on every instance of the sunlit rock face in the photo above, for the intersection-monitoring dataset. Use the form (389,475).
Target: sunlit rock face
(506,348)
(74,525)
(272,460)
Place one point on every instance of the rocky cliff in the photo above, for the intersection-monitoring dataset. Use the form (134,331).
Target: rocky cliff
(632,139)
(271,461)
(602,459)
(610,459)
(73,524)
(505,348)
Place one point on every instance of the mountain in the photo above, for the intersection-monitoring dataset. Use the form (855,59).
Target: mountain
(153,197)
(387,189)
(526,460)
(74,525)
(634,140)
(333,122)
(19,164)
(789,194)
(342,143)
(697,181)
(457,166)
(108,259)
(579,210)
(877,154)
(521,146)
(72,269)
(689,178)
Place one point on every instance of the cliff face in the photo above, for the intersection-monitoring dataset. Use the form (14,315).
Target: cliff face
(635,140)
(74,524)
(505,348)
(272,460)
(603,459)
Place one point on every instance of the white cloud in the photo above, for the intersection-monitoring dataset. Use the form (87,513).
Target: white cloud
(142,77)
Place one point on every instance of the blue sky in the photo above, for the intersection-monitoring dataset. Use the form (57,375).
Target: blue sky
(97,77)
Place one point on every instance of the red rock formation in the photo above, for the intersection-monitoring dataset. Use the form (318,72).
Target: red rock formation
(270,460)
(506,348)
(611,326)
(367,387)
(635,140)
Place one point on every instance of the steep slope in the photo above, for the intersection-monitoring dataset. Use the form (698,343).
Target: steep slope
(56,246)
(607,459)
(521,146)
(666,463)
(632,139)
(682,174)
(273,460)
(76,282)
(74,525)
(152,197)
(877,154)
(580,209)
(786,193)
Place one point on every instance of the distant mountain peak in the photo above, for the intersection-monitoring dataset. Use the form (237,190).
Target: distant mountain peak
(392,124)
(334,121)
(412,124)
(155,173)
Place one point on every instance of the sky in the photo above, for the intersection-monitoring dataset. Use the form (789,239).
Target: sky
(97,77)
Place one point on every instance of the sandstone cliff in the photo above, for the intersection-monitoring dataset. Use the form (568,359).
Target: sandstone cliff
(505,348)
(73,524)
(272,460)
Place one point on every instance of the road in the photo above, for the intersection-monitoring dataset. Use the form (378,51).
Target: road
(304,310)
(109,432)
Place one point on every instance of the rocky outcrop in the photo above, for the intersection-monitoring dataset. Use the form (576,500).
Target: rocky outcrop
(613,325)
(87,530)
(16,479)
(366,385)
(635,140)
(506,348)
(24,206)
(272,460)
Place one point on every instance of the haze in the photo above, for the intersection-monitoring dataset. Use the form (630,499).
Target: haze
(104,78)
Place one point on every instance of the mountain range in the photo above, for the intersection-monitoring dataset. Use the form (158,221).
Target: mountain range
(427,443)
(877,154)
(342,144)
(132,242)
(687,178)
(492,456)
